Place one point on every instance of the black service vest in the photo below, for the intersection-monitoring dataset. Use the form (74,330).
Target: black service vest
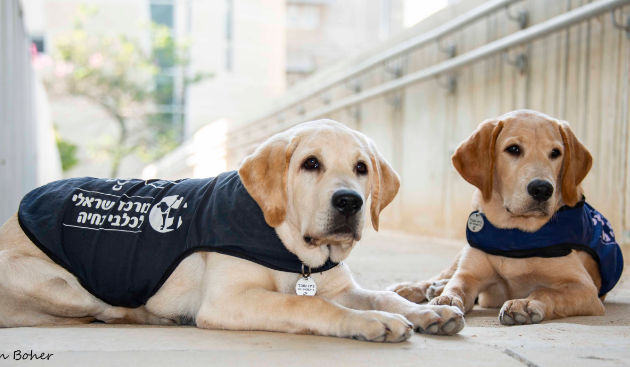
(123,238)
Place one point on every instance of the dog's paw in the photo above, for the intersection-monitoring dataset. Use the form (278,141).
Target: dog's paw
(439,320)
(379,326)
(412,291)
(436,288)
(521,312)
(448,300)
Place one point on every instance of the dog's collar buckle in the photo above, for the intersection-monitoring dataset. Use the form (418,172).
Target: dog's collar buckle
(306,274)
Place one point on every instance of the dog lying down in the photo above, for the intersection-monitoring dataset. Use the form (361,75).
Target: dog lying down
(257,249)
(536,248)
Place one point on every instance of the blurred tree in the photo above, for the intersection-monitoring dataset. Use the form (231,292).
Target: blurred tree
(122,77)
(67,152)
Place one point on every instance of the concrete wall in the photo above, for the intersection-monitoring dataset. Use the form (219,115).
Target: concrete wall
(580,74)
(28,155)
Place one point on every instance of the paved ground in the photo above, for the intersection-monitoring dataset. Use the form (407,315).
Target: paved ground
(378,261)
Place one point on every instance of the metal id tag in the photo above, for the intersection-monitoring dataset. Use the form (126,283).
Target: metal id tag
(305,286)
(475,222)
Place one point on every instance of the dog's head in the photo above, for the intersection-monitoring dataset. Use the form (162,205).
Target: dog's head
(312,182)
(525,165)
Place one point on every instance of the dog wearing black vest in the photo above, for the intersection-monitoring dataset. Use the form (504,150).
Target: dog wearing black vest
(261,248)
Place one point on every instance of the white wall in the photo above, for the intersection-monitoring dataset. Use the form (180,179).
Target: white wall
(28,156)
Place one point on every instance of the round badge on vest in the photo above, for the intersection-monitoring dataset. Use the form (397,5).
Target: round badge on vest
(475,222)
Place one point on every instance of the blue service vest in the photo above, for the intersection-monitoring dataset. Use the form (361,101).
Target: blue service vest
(572,228)
(123,238)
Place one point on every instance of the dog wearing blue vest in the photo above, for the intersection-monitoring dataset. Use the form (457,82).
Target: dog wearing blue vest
(261,248)
(536,249)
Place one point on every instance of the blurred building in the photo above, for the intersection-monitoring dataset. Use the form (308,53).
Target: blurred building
(252,48)
(240,43)
(323,31)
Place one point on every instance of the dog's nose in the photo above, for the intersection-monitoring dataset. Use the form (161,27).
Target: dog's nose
(347,202)
(540,190)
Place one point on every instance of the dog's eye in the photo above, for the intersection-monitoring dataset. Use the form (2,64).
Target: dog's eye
(514,150)
(310,164)
(555,153)
(361,168)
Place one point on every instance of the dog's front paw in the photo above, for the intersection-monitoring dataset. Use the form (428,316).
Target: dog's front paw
(436,288)
(440,320)
(378,326)
(412,291)
(448,300)
(521,312)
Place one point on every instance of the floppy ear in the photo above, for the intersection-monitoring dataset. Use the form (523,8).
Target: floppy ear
(264,175)
(577,162)
(474,158)
(384,183)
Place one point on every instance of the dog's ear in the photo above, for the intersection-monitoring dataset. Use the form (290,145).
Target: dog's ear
(474,158)
(575,166)
(384,184)
(264,175)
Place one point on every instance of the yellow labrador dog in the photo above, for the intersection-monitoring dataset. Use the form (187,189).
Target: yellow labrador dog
(534,243)
(308,184)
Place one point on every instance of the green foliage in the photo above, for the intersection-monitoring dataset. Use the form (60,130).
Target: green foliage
(67,152)
(131,81)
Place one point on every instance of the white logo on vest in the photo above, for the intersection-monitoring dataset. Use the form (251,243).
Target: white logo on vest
(164,215)
(475,222)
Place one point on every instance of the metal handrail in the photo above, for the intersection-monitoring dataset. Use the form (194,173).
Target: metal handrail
(518,38)
(422,39)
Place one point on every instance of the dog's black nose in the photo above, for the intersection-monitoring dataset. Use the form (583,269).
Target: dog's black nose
(540,190)
(348,202)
